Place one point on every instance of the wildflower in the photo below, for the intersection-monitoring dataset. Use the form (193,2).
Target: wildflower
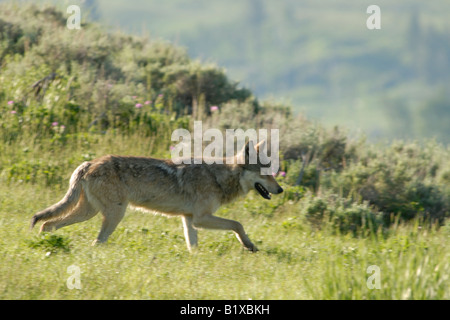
(54,124)
(10,102)
(282,173)
(138,105)
(13,111)
(160,95)
(148,102)
(134,97)
(214,108)
(172,148)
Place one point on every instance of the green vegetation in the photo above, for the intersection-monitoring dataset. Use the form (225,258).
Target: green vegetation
(68,96)
(392,83)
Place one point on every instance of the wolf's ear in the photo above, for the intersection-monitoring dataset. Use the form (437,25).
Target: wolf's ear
(260,146)
(246,150)
(244,155)
(248,146)
(249,153)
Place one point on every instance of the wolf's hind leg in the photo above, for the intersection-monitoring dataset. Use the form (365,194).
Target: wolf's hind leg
(112,215)
(190,233)
(82,212)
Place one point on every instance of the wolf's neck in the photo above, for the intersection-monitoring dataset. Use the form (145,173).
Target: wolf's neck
(230,184)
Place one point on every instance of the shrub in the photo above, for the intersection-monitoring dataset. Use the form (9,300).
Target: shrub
(402,180)
(98,74)
(31,171)
(50,243)
(342,215)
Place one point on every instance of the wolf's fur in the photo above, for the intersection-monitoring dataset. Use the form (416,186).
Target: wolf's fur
(192,191)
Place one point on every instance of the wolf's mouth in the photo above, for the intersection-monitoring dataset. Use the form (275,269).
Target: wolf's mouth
(262,191)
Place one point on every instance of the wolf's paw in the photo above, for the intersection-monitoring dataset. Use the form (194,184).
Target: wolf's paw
(47,227)
(252,248)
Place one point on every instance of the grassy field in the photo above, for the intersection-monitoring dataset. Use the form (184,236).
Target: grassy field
(146,257)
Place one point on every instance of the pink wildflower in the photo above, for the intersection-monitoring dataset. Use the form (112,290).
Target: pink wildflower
(138,105)
(54,124)
(10,102)
(214,108)
(148,102)
(13,111)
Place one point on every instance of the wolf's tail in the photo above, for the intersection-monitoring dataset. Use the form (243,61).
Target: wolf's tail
(68,202)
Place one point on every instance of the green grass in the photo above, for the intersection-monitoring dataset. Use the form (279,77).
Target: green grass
(146,257)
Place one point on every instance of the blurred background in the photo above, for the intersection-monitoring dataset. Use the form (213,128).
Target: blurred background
(317,56)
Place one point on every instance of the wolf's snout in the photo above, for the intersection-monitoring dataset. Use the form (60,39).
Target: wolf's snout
(280,189)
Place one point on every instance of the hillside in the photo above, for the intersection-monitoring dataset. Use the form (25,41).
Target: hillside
(320,56)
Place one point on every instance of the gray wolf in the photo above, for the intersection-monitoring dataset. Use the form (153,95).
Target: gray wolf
(192,191)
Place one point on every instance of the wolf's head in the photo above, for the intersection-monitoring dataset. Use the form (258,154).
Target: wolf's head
(253,161)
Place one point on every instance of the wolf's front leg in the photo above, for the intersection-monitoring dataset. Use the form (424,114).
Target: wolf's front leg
(211,222)
(190,234)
